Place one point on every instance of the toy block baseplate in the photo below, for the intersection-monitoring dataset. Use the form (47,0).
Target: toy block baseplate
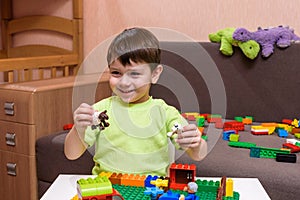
(206,190)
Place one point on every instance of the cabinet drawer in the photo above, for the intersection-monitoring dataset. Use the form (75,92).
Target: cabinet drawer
(18,176)
(17,138)
(16,106)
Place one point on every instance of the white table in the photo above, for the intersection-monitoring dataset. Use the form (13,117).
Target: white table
(64,187)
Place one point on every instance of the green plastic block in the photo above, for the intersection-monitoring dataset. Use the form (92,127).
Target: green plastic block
(132,192)
(207,186)
(297,135)
(247,145)
(238,119)
(94,186)
(249,117)
(236,196)
(263,152)
(204,137)
(200,121)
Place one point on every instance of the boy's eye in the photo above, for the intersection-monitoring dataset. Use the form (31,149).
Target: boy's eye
(115,73)
(134,74)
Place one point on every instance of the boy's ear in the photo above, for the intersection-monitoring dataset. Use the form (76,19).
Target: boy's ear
(156,73)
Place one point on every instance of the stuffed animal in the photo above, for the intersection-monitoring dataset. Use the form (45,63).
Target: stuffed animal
(267,38)
(250,48)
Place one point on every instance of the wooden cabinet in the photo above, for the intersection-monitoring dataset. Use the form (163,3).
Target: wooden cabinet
(33,109)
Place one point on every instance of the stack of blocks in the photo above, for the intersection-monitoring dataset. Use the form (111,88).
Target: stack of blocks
(142,187)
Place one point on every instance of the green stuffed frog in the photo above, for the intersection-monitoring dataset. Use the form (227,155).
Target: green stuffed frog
(250,48)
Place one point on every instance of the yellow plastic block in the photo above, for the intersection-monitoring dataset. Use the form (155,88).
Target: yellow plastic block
(229,187)
(107,174)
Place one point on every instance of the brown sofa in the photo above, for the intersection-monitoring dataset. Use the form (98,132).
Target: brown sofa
(197,77)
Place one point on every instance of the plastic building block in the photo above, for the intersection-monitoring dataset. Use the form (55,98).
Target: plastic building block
(247,121)
(115,178)
(294,148)
(219,124)
(169,196)
(133,180)
(207,186)
(295,123)
(94,186)
(214,118)
(226,134)
(153,192)
(236,196)
(297,135)
(234,137)
(148,180)
(229,188)
(263,152)
(295,130)
(282,133)
(238,119)
(68,126)
(247,145)
(200,121)
(131,192)
(293,141)
(204,137)
(291,158)
(234,125)
(287,121)
(260,130)
(160,183)
(181,174)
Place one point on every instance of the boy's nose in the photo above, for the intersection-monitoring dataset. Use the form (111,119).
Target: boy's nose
(125,80)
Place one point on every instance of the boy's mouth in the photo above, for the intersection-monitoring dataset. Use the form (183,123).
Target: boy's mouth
(125,91)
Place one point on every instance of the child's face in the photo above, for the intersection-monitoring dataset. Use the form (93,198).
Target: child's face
(131,82)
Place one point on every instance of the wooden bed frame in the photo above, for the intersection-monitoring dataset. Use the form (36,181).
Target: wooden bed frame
(36,61)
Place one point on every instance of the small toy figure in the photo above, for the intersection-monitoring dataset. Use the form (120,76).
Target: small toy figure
(191,188)
(176,129)
(99,119)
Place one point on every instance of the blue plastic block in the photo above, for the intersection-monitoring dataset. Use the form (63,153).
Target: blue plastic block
(226,134)
(148,179)
(169,196)
(282,133)
(255,152)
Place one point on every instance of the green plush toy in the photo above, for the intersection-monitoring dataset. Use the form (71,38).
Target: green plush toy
(250,48)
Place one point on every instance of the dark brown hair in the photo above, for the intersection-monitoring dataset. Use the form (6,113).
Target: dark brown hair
(135,44)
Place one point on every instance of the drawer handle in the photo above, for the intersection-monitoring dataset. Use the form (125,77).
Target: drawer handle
(10,139)
(9,108)
(11,169)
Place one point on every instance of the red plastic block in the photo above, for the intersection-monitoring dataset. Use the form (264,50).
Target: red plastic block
(260,132)
(294,148)
(234,125)
(181,174)
(287,121)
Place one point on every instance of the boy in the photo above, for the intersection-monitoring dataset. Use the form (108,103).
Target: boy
(136,140)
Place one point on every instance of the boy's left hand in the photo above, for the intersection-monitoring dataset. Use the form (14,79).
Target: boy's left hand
(190,137)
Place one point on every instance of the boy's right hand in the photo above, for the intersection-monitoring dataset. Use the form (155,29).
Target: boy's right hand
(83,117)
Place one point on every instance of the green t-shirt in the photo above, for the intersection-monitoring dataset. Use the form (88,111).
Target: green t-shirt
(136,140)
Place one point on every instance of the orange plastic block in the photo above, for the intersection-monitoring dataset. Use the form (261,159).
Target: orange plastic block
(247,121)
(133,180)
(201,129)
(115,178)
